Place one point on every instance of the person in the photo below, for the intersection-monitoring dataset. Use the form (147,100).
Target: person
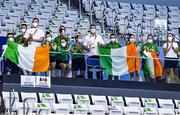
(152,68)
(20,39)
(52,48)
(62,31)
(34,35)
(132,42)
(62,58)
(171,57)
(78,59)
(91,43)
(113,44)
(11,68)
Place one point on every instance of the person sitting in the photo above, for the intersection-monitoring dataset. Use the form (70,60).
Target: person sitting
(78,60)
(113,44)
(62,58)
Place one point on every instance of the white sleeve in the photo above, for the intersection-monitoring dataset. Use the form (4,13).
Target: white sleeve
(165,45)
(85,41)
(26,35)
(101,40)
(41,34)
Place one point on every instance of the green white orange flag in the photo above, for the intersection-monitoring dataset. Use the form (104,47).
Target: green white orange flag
(120,61)
(34,59)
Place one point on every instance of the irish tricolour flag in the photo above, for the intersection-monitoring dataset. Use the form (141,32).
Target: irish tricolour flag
(120,61)
(31,58)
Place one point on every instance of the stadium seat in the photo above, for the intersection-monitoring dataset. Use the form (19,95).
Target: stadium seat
(132,101)
(132,111)
(97,110)
(166,103)
(61,109)
(150,111)
(116,101)
(80,109)
(43,108)
(47,98)
(166,111)
(116,110)
(149,102)
(20,109)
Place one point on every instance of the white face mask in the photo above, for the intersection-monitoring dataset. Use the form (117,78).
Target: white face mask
(63,44)
(113,39)
(132,40)
(23,30)
(150,40)
(11,39)
(35,24)
(48,39)
(170,39)
(93,31)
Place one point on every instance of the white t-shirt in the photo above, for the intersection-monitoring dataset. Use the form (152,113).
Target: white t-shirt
(37,33)
(171,53)
(93,41)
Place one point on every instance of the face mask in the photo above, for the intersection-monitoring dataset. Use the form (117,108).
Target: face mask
(170,39)
(62,32)
(150,41)
(11,39)
(81,41)
(48,39)
(35,24)
(132,40)
(113,39)
(93,31)
(63,44)
(23,30)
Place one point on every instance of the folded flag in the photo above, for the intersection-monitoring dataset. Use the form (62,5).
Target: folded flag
(153,65)
(31,58)
(120,61)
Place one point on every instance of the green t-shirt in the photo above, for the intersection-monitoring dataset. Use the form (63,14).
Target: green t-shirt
(51,50)
(113,45)
(148,46)
(63,54)
(74,49)
(57,40)
(18,38)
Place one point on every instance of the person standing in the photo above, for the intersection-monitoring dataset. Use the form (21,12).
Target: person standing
(112,45)
(91,43)
(171,57)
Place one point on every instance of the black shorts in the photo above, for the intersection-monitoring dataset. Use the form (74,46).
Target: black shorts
(172,63)
(58,63)
(78,64)
(52,59)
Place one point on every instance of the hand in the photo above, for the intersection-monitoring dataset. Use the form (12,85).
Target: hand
(31,37)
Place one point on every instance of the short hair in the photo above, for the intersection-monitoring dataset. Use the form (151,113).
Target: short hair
(92,25)
(63,38)
(77,36)
(48,33)
(112,35)
(130,35)
(170,34)
(36,19)
(150,35)
(23,24)
(10,33)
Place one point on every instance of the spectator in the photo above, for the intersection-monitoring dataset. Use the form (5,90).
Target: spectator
(78,60)
(48,38)
(171,57)
(20,39)
(91,43)
(62,31)
(34,35)
(62,58)
(113,44)
(146,50)
(131,41)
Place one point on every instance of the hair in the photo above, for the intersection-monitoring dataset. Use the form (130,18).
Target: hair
(48,33)
(61,28)
(36,19)
(24,25)
(150,35)
(112,35)
(10,33)
(92,25)
(63,38)
(130,35)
